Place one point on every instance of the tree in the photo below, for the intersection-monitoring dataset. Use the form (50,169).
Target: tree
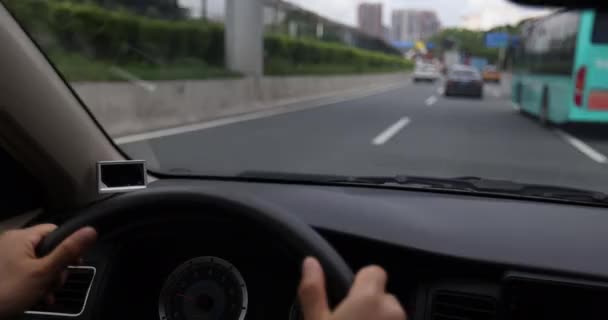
(469,41)
(510,29)
(168,9)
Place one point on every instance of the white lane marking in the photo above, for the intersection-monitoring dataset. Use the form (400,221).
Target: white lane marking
(515,106)
(440,91)
(280,107)
(582,147)
(387,134)
(146,85)
(430,100)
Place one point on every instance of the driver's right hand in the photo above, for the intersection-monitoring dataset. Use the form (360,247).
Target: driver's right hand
(366,300)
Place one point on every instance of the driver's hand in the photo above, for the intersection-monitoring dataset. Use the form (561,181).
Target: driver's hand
(367,299)
(26,279)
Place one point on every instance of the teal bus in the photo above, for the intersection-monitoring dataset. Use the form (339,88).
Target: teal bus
(560,72)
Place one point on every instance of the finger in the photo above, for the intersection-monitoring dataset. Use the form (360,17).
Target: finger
(49,298)
(313,298)
(369,281)
(62,279)
(36,233)
(70,249)
(392,309)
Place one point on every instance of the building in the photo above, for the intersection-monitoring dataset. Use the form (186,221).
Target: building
(414,25)
(429,22)
(386,33)
(285,17)
(370,19)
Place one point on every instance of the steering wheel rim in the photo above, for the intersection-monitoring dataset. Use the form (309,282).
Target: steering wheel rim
(296,234)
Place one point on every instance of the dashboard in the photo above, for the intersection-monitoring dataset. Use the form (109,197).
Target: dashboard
(224,268)
(448,256)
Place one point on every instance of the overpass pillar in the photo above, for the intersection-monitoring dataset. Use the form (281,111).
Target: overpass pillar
(244,28)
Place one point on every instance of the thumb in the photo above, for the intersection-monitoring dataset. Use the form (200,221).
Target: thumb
(36,233)
(313,298)
(70,249)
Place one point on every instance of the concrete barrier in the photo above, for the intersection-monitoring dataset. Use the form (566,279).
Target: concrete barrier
(139,106)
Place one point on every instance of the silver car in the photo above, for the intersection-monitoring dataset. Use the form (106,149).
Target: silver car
(426,72)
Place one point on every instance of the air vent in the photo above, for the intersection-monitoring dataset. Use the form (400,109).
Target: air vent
(451,305)
(70,299)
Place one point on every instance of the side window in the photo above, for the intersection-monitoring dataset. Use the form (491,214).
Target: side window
(600,25)
(537,47)
(523,57)
(569,36)
(552,45)
(19,191)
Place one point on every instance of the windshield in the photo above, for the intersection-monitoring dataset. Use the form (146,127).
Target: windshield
(425,66)
(226,87)
(467,74)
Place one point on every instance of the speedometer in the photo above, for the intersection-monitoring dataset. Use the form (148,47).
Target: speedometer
(204,288)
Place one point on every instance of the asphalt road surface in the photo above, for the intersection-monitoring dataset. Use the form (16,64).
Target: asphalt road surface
(412,130)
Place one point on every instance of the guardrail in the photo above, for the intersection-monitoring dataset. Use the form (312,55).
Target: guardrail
(142,106)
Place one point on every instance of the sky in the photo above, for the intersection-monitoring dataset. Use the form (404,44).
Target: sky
(486,13)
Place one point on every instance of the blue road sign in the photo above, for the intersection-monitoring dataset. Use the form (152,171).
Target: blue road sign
(515,41)
(403,44)
(497,39)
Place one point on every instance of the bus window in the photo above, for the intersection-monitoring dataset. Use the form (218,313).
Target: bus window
(600,28)
(550,44)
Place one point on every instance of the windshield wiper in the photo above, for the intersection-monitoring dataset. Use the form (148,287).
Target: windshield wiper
(464,184)
(476,184)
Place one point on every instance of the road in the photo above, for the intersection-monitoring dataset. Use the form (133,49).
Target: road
(411,130)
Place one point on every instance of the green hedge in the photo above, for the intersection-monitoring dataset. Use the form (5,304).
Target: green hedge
(123,37)
(118,35)
(312,52)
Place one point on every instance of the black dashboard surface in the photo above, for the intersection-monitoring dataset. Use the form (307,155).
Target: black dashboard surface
(567,239)
(448,256)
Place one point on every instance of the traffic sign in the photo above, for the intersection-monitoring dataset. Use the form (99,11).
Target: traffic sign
(497,40)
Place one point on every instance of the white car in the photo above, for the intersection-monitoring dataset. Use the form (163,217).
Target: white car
(426,72)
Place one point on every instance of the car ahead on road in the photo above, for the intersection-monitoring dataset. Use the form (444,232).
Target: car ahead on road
(426,72)
(491,74)
(463,81)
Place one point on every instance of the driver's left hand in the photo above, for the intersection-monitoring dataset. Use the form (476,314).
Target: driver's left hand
(26,279)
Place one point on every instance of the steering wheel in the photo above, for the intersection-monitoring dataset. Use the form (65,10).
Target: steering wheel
(112,213)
